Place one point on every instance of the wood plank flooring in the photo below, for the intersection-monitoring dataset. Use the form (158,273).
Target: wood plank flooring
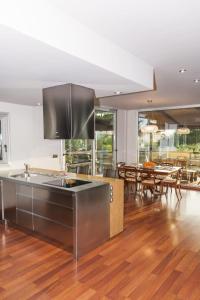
(156,257)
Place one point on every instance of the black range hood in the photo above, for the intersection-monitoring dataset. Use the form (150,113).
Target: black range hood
(68,112)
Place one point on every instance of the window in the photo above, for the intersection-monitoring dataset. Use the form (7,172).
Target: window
(177,136)
(93,157)
(105,140)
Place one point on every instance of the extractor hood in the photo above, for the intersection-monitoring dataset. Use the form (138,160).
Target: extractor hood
(68,112)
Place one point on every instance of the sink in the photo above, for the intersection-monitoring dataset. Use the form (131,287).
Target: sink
(24,175)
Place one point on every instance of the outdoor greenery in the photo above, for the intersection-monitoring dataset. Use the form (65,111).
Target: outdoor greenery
(104,141)
(195,148)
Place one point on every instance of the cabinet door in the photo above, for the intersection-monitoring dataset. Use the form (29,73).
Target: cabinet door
(24,203)
(61,234)
(53,205)
(53,215)
(24,197)
(9,200)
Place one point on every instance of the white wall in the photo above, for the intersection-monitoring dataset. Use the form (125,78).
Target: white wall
(132,136)
(121,135)
(26,143)
(43,150)
(127,135)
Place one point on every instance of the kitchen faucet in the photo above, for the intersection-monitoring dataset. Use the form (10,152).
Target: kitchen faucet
(26,172)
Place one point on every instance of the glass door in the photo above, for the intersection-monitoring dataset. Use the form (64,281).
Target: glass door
(105,140)
(94,156)
(78,156)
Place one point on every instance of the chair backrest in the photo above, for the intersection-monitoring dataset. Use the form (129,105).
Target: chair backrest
(120,164)
(121,172)
(130,172)
(147,173)
(181,163)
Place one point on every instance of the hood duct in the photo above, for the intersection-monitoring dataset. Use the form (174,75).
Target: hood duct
(68,112)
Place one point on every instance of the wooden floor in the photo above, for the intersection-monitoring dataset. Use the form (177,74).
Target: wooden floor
(156,257)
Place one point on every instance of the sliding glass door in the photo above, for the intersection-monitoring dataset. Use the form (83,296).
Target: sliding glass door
(94,157)
(105,140)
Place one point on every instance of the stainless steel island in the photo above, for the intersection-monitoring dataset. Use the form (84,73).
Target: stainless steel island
(75,217)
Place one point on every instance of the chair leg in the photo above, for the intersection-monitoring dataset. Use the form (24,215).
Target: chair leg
(177,195)
(179,189)
(142,190)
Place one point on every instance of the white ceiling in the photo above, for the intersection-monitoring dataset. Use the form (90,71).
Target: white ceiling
(165,34)
(28,65)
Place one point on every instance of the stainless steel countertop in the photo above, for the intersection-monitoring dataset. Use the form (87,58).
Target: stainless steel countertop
(42,180)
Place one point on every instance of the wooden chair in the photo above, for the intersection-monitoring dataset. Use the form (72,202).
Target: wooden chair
(181,163)
(120,164)
(131,178)
(121,172)
(149,181)
(173,182)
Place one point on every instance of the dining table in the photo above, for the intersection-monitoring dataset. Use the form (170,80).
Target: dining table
(159,170)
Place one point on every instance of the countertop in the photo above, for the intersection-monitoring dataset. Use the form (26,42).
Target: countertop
(45,176)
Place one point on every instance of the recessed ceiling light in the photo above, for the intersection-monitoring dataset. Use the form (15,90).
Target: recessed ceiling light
(118,93)
(182,70)
(196,80)
(149,100)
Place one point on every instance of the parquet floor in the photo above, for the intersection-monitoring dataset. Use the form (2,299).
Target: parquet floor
(156,257)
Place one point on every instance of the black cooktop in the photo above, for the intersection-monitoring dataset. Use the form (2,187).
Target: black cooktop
(67,182)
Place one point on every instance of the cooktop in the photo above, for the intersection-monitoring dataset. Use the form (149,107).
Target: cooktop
(67,182)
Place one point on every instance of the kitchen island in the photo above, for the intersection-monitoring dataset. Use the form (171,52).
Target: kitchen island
(75,213)
(116,199)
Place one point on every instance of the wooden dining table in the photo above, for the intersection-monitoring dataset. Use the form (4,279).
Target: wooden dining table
(159,170)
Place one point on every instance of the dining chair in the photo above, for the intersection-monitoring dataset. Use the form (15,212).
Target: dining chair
(149,181)
(121,172)
(181,163)
(120,164)
(131,178)
(172,181)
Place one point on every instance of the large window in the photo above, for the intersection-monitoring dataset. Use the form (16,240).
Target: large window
(170,135)
(93,157)
(105,128)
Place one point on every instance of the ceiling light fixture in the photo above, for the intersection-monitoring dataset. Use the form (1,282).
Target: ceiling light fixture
(149,129)
(182,70)
(118,93)
(196,80)
(183,130)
